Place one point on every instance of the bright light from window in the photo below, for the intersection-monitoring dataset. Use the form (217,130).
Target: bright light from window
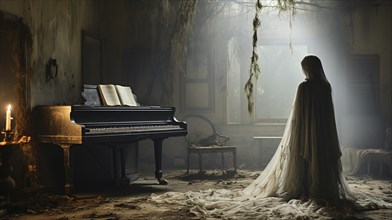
(281,74)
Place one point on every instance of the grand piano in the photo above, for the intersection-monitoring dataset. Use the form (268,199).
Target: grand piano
(67,126)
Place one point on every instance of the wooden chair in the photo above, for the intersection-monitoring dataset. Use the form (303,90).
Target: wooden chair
(202,138)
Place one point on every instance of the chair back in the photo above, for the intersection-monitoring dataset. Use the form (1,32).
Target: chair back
(201,132)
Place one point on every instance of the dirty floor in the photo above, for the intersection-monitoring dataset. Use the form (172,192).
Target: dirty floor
(132,202)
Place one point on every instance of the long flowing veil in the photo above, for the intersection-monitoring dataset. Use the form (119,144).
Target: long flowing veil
(270,183)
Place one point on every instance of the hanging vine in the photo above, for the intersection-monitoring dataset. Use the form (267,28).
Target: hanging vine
(181,39)
(254,70)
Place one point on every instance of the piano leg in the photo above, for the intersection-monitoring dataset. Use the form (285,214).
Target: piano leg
(115,165)
(158,161)
(122,162)
(121,181)
(68,186)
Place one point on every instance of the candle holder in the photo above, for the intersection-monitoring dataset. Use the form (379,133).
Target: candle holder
(8,135)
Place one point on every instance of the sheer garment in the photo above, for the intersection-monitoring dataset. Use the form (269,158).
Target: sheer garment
(307,162)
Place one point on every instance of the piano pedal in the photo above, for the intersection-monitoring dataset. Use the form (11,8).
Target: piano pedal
(162,182)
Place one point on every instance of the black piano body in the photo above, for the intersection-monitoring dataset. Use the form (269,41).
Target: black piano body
(67,126)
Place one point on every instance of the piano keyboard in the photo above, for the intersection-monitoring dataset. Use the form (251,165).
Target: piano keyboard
(132,129)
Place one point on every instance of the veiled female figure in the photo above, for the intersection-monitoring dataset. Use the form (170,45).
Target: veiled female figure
(314,163)
(307,162)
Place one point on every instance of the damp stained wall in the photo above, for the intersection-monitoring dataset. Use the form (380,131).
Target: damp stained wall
(56,31)
(56,28)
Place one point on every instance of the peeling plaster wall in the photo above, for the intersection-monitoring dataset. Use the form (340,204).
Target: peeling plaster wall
(56,30)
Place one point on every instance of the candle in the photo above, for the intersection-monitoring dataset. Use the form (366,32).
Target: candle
(8,119)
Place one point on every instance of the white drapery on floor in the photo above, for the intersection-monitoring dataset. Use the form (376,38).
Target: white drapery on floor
(303,179)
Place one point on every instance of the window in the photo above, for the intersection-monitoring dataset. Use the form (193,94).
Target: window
(197,87)
(276,87)
(281,73)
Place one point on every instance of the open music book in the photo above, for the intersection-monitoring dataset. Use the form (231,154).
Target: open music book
(116,95)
